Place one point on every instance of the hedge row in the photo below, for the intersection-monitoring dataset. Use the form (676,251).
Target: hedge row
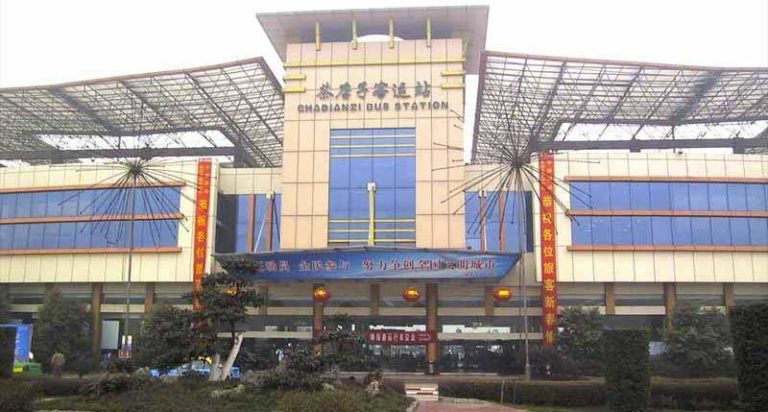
(627,370)
(749,328)
(709,394)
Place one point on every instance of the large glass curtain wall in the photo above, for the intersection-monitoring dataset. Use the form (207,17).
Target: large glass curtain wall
(495,216)
(248,223)
(372,185)
(669,214)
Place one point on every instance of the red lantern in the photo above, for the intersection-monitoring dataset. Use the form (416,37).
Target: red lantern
(411,294)
(502,294)
(321,294)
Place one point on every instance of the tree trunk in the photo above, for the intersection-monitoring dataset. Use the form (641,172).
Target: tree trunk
(221,372)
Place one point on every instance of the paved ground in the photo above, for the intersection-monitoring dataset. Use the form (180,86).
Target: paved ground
(451,407)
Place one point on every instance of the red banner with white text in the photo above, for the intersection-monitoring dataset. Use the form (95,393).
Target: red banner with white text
(202,208)
(548,248)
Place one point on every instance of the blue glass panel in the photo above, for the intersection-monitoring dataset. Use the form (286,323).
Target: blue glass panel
(580,196)
(67,235)
(601,195)
(679,193)
(681,231)
(619,195)
(701,230)
(492,237)
(718,196)
(51,235)
(98,238)
(69,203)
(622,230)
(87,202)
(640,195)
(38,204)
(405,171)
(23,204)
(339,132)
(699,196)
(737,196)
(361,172)
(473,243)
(384,172)
(721,231)
(662,230)
(740,231)
(339,174)
(358,203)
(601,230)
(169,234)
(339,204)
(758,231)
(8,205)
(641,231)
(20,236)
(756,197)
(53,204)
(36,235)
(660,199)
(6,236)
(83,235)
(405,203)
(385,203)
(581,230)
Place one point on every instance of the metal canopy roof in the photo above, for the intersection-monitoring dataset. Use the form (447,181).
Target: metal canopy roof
(469,22)
(242,100)
(534,103)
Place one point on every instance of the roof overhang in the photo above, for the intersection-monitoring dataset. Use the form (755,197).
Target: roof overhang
(468,22)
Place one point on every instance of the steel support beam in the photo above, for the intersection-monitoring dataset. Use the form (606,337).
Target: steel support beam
(27,155)
(636,145)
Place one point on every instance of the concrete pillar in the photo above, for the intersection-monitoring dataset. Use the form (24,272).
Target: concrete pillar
(97,294)
(670,299)
(432,326)
(375,299)
(490,308)
(610,299)
(317,321)
(728,297)
(149,297)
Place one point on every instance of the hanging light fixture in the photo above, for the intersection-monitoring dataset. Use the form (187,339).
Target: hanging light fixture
(411,294)
(502,294)
(321,294)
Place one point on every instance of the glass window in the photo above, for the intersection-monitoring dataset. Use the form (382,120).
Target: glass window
(718,196)
(701,230)
(53,204)
(358,204)
(20,236)
(641,230)
(660,199)
(6,236)
(51,235)
(361,172)
(737,196)
(662,230)
(620,196)
(601,195)
(7,205)
(601,230)
(83,235)
(699,196)
(721,231)
(69,203)
(67,235)
(405,203)
(36,234)
(680,199)
(622,230)
(384,172)
(405,171)
(23,204)
(339,173)
(640,195)
(758,231)
(38,204)
(756,198)
(681,231)
(740,231)
(580,196)
(339,204)
(385,203)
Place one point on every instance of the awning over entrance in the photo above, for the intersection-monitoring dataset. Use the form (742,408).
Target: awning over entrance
(369,263)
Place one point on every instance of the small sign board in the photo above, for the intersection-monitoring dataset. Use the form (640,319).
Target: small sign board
(400,337)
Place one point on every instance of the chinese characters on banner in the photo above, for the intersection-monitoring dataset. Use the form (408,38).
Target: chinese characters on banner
(399,337)
(200,232)
(548,248)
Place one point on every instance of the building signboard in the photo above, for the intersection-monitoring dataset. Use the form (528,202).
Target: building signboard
(548,248)
(400,337)
(202,207)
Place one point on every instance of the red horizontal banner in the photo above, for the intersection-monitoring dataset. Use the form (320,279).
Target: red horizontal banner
(400,337)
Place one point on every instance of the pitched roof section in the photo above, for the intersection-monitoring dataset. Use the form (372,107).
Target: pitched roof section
(469,22)
(528,102)
(241,99)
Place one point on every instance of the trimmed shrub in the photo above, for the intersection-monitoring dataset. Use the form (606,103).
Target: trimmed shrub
(291,380)
(50,386)
(321,401)
(585,393)
(749,328)
(699,394)
(7,348)
(487,391)
(394,385)
(17,396)
(116,384)
(627,369)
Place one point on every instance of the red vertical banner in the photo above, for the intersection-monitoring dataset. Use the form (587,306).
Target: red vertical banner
(202,208)
(548,248)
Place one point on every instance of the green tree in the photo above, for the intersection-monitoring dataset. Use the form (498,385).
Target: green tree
(344,348)
(224,301)
(579,338)
(169,338)
(696,341)
(63,326)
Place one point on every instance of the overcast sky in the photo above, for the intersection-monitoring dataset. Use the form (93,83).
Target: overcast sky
(51,41)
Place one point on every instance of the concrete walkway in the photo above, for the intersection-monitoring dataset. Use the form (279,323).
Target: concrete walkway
(452,406)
